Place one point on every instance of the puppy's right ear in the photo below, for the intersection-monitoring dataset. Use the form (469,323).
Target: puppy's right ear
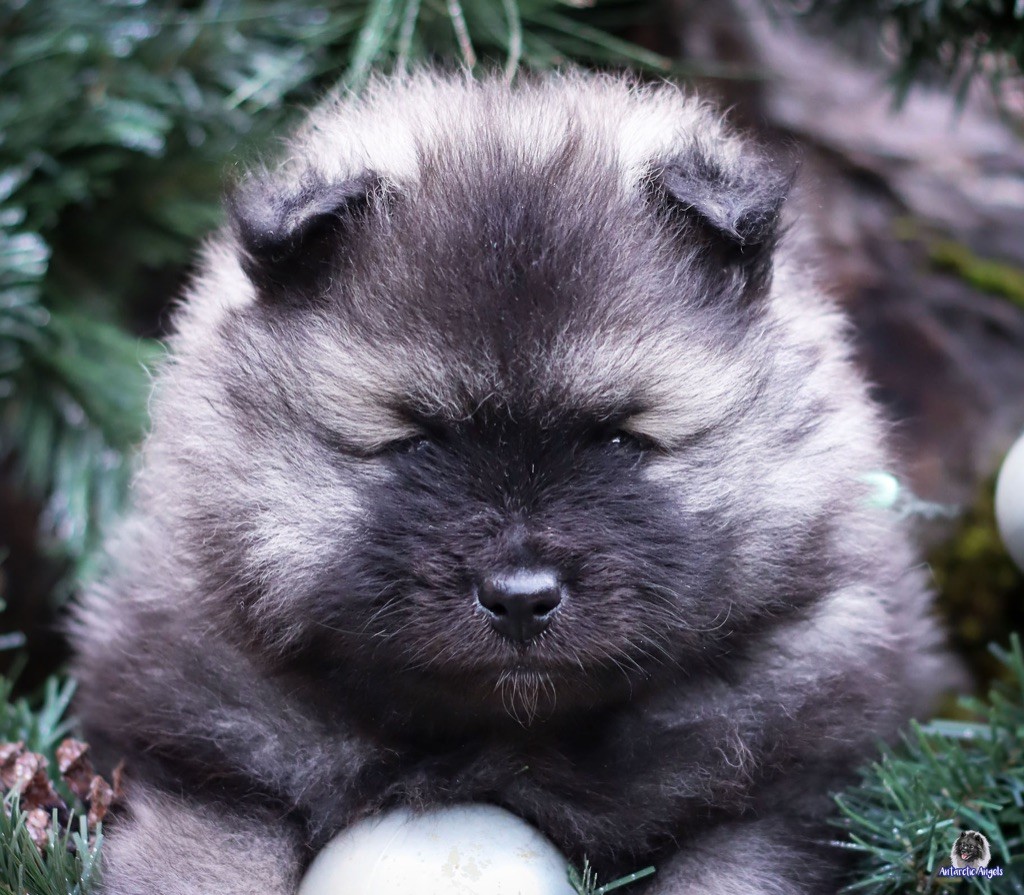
(291,236)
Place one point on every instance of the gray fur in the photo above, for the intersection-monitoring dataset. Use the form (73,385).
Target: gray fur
(460,329)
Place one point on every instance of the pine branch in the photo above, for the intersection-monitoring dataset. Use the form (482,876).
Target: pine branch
(73,404)
(67,865)
(947,776)
(952,40)
(40,724)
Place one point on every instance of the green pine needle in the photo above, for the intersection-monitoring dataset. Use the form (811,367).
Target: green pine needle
(68,864)
(946,776)
(585,882)
(38,723)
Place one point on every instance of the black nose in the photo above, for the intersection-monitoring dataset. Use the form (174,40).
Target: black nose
(520,604)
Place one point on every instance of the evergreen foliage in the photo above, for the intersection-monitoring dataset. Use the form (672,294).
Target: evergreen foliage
(952,40)
(39,724)
(67,865)
(946,776)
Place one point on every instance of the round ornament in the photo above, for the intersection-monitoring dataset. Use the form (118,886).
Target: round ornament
(1010,502)
(461,850)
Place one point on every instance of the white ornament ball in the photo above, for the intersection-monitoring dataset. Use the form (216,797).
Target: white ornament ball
(462,850)
(1010,502)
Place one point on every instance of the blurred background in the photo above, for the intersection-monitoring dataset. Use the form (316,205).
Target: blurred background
(122,122)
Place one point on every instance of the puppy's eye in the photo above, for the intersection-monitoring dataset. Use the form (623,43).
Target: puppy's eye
(411,445)
(621,440)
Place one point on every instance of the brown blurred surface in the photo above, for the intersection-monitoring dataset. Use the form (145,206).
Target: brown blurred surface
(894,195)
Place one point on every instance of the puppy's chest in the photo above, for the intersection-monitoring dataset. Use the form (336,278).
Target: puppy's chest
(586,795)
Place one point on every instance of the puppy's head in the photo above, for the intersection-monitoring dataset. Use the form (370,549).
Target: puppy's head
(493,393)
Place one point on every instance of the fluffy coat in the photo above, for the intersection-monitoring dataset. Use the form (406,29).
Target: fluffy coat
(463,328)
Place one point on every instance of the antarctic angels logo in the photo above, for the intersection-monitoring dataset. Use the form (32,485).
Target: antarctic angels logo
(971,850)
(971,856)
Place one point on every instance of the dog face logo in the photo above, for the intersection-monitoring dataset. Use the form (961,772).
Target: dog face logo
(971,850)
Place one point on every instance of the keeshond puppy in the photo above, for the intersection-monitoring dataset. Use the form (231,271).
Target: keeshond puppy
(506,454)
(971,849)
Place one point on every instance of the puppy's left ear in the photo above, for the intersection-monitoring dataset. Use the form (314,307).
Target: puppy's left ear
(291,235)
(731,209)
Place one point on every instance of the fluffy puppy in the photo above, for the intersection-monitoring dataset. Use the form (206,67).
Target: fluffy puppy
(971,849)
(504,455)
